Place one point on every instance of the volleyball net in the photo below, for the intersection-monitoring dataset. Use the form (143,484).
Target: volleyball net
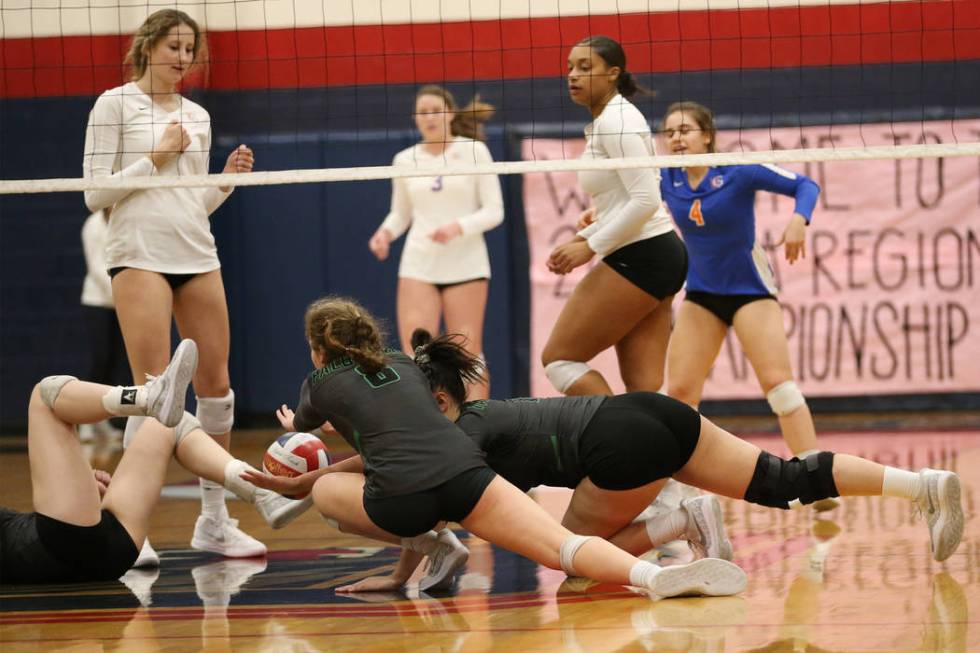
(877,101)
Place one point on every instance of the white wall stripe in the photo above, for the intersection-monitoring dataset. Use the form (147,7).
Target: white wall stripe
(37,18)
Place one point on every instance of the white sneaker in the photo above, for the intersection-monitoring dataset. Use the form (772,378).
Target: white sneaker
(442,564)
(277,510)
(165,394)
(705,577)
(147,557)
(223,536)
(217,582)
(939,501)
(706,528)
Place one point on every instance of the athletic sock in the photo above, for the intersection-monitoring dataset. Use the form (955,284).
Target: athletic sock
(125,400)
(213,500)
(642,574)
(900,483)
(667,528)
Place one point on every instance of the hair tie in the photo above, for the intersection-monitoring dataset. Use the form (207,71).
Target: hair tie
(421,356)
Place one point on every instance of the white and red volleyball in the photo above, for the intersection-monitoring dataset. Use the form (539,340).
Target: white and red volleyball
(292,454)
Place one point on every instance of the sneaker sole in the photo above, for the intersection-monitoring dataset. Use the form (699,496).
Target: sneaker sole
(724,548)
(705,577)
(201,545)
(181,370)
(444,581)
(951,513)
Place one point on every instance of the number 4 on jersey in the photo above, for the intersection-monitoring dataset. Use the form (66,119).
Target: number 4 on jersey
(695,213)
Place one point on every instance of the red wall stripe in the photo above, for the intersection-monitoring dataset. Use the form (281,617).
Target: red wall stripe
(667,42)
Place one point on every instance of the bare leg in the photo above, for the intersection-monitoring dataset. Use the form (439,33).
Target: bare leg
(853,476)
(419,306)
(137,481)
(201,313)
(143,304)
(608,514)
(643,351)
(464,307)
(760,330)
(603,309)
(61,478)
(510,519)
(694,345)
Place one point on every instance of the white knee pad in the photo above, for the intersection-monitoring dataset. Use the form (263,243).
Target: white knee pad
(566,553)
(785,398)
(50,387)
(217,414)
(563,374)
(186,424)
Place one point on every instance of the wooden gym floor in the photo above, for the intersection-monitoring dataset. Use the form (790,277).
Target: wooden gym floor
(861,580)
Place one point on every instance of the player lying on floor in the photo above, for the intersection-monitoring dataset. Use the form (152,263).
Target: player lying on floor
(86,528)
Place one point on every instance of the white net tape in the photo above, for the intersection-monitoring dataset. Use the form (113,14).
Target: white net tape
(267,178)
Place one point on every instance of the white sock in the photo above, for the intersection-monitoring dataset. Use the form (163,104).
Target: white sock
(900,483)
(423,543)
(667,528)
(235,483)
(643,573)
(125,400)
(213,500)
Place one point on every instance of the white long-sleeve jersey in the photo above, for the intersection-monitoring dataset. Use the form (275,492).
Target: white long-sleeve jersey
(160,229)
(423,204)
(626,201)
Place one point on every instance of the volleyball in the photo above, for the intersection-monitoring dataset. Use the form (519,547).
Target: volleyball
(292,454)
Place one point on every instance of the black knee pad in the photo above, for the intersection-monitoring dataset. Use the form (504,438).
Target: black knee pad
(776,482)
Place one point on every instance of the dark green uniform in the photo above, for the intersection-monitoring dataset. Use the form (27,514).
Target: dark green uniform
(531,441)
(392,420)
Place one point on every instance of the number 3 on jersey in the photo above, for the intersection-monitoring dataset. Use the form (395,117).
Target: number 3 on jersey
(695,213)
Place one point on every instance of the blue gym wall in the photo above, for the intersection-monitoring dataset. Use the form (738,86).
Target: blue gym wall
(284,246)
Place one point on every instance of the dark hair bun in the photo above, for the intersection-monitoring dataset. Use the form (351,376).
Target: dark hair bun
(420,338)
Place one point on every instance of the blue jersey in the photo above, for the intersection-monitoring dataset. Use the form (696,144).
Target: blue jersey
(717,220)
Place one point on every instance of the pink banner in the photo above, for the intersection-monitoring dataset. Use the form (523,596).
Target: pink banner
(886,300)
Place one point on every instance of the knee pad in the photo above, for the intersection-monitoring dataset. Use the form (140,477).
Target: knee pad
(566,552)
(217,414)
(785,398)
(777,482)
(50,387)
(563,374)
(186,424)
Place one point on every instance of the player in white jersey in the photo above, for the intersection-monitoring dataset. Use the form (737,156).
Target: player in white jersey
(160,251)
(445,269)
(624,301)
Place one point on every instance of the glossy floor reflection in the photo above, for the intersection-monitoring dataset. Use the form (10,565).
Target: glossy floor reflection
(861,580)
